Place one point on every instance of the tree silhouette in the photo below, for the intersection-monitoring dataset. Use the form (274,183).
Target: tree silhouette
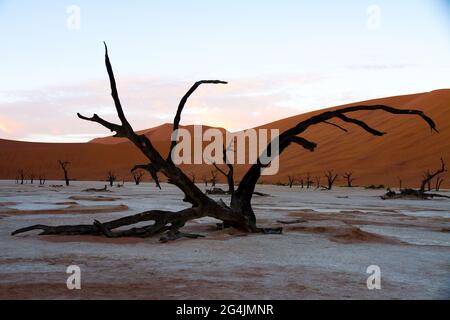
(42,179)
(20,176)
(137,176)
(291,180)
(213,177)
(439,181)
(429,176)
(331,178)
(309,182)
(65,167)
(111,178)
(239,212)
(228,175)
(348,176)
(426,183)
(193,177)
(400,183)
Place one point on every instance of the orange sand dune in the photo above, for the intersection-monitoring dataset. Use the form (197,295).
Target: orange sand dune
(406,151)
(159,134)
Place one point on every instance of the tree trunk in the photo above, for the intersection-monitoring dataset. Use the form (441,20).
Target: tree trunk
(238,214)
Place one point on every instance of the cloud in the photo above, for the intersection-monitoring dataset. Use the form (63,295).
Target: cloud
(9,127)
(50,113)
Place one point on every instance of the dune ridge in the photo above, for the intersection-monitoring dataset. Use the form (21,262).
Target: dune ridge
(405,152)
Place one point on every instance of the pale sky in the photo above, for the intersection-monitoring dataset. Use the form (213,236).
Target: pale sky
(281,58)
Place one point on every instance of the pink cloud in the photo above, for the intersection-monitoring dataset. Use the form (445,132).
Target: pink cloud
(9,127)
(148,102)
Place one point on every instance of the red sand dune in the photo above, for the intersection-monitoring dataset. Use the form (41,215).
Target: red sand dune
(406,151)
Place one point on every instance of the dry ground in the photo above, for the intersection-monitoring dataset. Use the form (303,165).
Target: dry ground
(324,254)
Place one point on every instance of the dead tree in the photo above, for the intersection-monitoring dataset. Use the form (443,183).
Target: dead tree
(42,179)
(429,176)
(331,178)
(228,175)
(302,183)
(20,176)
(65,166)
(111,178)
(150,168)
(309,182)
(239,212)
(137,176)
(32,178)
(439,181)
(419,194)
(318,185)
(193,177)
(205,180)
(291,180)
(400,183)
(348,176)
(213,178)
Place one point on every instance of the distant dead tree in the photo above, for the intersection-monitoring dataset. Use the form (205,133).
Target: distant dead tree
(429,176)
(228,175)
(137,176)
(348,176)
(238,212)
(205,180)
(193,177)
(213,178)
(400,183)
(426,183)
(318,185)
(309,182)
(302,183)
(111,178)
(331,178)
(20,176)
(439,181)
(291,180)
(150,168)
(42,179)
(65,167)
(32,178)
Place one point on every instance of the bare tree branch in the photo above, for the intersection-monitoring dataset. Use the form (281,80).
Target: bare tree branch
(248,183)
(177,119)
(311,146)
(150,168)
(336,125)
(114,93)
(240,212)
(230,174)
(111,126)
(430,176)
(361,124)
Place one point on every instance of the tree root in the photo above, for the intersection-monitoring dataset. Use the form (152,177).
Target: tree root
(165,222)
(271,230)
(411,194)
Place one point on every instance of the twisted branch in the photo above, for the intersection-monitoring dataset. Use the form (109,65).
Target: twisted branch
(183,101)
